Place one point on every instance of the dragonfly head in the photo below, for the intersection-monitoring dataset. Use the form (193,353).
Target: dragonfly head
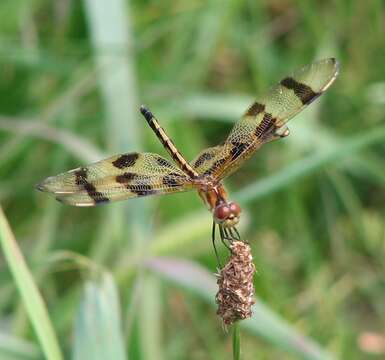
(227,214)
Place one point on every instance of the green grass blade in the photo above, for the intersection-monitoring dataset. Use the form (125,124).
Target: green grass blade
(149,317)
(113,42)
(33,301)
(77,146)
(12,348)
(110,30)
(272,327)
(98,333)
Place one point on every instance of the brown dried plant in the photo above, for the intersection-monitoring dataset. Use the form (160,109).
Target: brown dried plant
(235,296)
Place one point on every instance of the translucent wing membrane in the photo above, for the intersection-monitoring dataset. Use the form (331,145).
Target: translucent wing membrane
(120,177)
(265,119)
(203,163)
(130,175)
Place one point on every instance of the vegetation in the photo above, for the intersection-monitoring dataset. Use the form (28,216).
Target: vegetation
(134,279)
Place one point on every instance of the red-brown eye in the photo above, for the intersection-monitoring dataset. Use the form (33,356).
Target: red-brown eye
(235,208)
(222,212)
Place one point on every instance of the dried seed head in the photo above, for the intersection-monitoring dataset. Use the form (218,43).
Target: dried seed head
(236,290)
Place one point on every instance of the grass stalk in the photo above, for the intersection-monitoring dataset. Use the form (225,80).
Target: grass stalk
(113,40)
(236,342)
(33,301)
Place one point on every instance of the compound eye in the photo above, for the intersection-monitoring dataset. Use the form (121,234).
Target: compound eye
(235,209)
(222,212)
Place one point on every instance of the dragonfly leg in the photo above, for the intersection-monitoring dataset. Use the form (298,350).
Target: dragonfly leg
(231,235)
(228,235)
(214,246)
(235,234)
(224,237)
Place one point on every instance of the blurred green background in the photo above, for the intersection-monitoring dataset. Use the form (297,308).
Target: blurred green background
(134,280)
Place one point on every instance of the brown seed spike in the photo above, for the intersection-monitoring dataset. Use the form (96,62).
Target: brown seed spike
(125,160)
(235,296)
(303,92)
(255,109)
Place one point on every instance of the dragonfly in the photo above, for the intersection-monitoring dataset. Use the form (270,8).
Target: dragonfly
(134,174)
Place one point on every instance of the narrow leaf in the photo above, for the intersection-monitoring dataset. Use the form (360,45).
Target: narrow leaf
(98,333)
(33,301)
(12,348)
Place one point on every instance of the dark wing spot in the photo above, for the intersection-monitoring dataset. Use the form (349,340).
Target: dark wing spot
(126,177)
(81,180)
(163,162)
(101,200)
(141,189)
(202,158)
(219,163)
(265,125)
(81,176)
(255,109)
(125,160)
(97,196)
(303,92)
(169,181)
(173,179)
(237,149)
(215,166)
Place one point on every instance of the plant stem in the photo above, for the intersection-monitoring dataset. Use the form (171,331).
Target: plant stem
(236,342)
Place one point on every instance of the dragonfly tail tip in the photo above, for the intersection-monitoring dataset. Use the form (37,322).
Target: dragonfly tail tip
(146,113)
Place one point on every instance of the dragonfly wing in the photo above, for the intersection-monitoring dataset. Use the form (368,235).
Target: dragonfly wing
(120,177)
(265,119)
(203,163)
